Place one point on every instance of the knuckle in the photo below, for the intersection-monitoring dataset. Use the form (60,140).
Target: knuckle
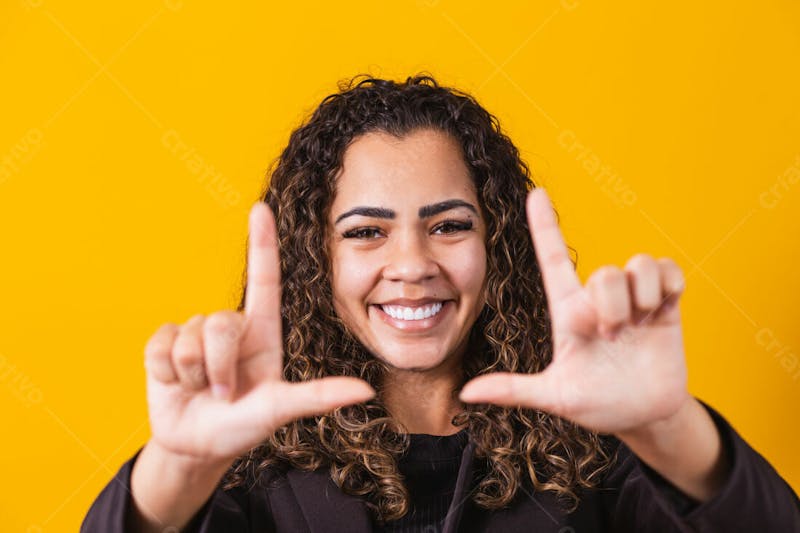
(224,323)
(668,263)
(160,370)
(647,296)
(192,376)
(220,367)
(196,373)
(678,284)
(673,274)
(640,261)
(155,348)
(185,352)
(609,275)
(555,257)
(160,342)
(219,362)
(222,320)
(317,389)
(195,319)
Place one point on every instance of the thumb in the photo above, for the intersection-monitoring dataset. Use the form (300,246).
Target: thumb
(534,391)
(293,401)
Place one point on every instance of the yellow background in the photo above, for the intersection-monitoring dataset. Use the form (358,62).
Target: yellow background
(686,115)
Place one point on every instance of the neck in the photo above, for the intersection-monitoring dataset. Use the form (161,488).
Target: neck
(423,402)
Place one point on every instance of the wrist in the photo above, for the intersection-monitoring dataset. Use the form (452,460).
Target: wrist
(183,464)
(184,468)
(659,430)
(168,488)
(685,448)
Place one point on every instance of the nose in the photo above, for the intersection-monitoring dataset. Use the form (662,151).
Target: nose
(409,260)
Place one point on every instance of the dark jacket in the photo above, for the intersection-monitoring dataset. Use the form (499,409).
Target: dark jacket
(631,498)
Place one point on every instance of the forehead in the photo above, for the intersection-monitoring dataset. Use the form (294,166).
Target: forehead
(422,167)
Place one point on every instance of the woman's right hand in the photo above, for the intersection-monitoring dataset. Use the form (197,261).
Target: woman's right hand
(215,386)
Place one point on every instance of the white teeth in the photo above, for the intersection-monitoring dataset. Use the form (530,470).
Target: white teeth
(400,312)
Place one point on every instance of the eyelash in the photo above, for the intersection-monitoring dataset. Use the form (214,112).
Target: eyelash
(452,225)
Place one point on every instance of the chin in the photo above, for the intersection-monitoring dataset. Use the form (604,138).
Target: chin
(411,359)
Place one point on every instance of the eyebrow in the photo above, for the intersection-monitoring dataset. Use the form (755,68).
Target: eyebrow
(425,211)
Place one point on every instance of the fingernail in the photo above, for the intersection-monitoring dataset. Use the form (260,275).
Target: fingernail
(220,391)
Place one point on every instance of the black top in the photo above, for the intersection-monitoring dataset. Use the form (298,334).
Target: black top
(430,469)
(630,498)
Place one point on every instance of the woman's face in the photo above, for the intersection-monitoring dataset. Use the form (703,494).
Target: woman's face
(407,248)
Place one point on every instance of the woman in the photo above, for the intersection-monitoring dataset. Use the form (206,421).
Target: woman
(411,353)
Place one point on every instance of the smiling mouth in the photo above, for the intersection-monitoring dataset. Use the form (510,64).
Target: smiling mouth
(401,312)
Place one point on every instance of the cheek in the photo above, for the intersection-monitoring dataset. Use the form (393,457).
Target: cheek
(471,275)
(351,280)
(351,287)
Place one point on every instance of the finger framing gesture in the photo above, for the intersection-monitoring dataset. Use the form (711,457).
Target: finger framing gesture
(618,358)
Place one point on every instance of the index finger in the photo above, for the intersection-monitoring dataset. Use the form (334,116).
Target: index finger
(262,305)
(558,272)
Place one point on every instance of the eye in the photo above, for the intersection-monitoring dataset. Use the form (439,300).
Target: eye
(452,226)
(362,233)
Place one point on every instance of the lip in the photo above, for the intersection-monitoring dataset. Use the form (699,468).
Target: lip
(414,325)
(407,302)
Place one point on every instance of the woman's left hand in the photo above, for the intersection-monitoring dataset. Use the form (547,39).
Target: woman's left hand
(618,361)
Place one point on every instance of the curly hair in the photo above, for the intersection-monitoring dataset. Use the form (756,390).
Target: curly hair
(361,444)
